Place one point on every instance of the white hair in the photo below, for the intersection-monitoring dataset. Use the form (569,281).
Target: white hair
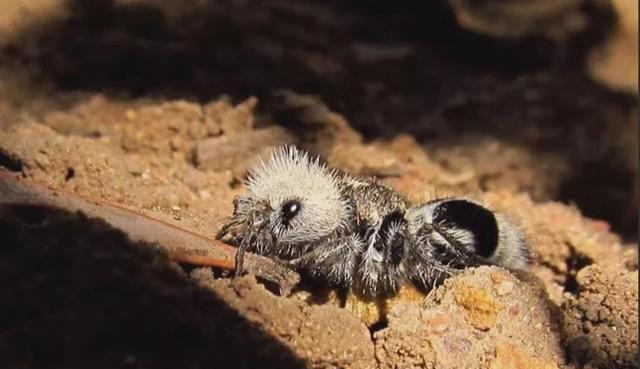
(291,174)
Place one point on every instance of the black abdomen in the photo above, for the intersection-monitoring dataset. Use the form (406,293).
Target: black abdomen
(476,219)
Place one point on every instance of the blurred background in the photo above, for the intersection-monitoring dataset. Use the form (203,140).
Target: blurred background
(536,96)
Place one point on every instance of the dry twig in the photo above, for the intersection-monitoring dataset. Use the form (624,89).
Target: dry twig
(182,245)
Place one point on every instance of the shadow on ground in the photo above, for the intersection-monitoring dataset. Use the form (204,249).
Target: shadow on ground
(78,294)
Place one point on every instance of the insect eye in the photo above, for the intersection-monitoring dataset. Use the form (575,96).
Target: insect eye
(289,210)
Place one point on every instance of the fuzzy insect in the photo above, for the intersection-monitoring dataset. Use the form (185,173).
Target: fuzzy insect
(355,233)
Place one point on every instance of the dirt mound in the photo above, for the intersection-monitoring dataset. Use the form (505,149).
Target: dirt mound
(485,316)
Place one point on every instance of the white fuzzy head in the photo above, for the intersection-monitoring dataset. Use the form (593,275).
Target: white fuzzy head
(289,177)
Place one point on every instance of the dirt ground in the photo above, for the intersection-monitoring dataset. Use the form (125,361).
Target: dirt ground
(161,107)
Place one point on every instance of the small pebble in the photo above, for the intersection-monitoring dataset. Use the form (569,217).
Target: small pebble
(175,143)
(496,277)
(42,160)
(130,114)
(504,288)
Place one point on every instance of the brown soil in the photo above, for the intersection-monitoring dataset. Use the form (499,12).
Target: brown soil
(120,101)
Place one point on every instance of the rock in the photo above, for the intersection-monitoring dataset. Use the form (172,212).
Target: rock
(466,323)
(236,151)
(222,117)
(509,357)
(366,160)
(319,127)
(481,309)
(602,318)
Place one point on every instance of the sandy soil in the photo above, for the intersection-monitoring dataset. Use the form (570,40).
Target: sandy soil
(121,102)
